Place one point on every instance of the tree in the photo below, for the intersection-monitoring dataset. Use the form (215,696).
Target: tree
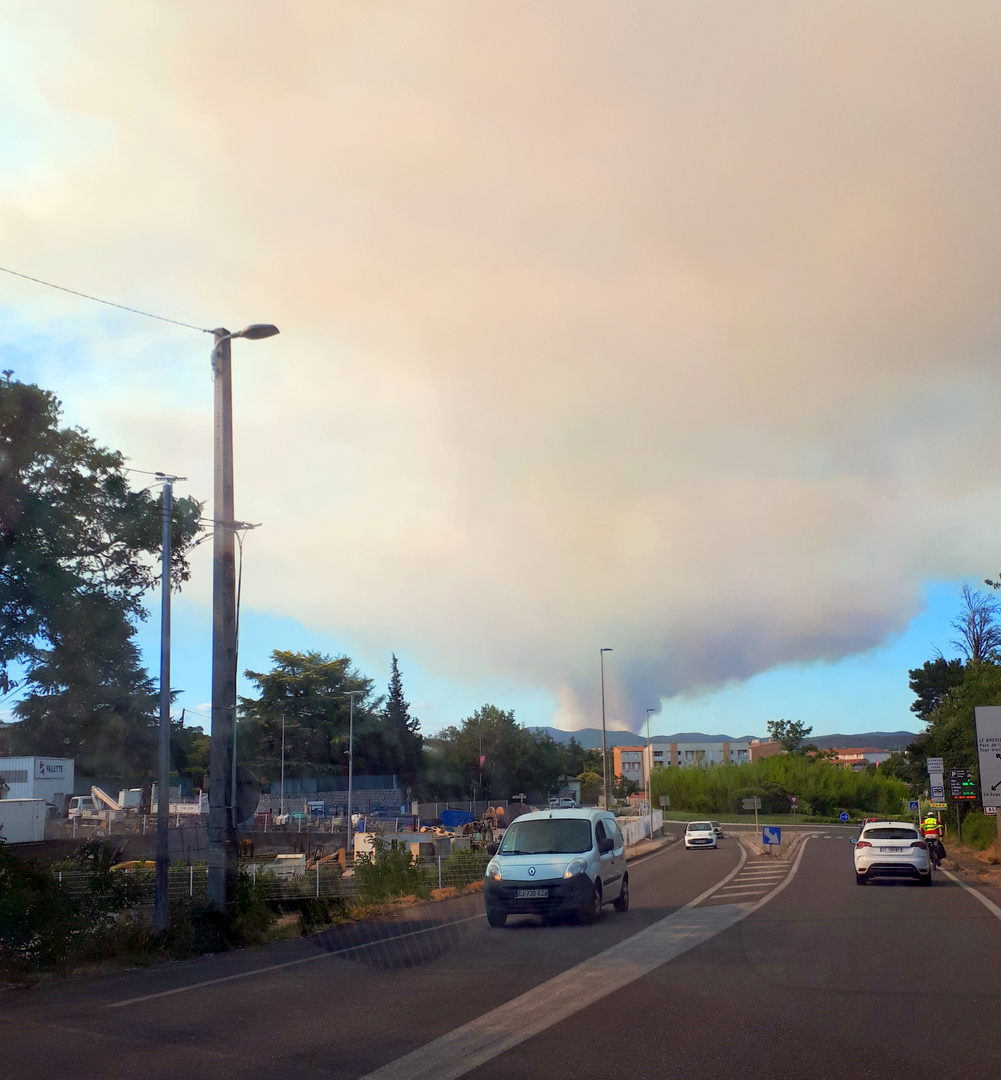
(931,682)
(977,626)
(310,691)
(790,733)
(402,731)
(91,698)
(70,528)
(951,731)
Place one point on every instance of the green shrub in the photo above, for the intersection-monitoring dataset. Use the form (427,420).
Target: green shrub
(464,867)
(389,872)
(979,830)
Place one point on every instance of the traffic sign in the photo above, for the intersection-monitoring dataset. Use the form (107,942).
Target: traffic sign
(914,806)
(751,804)
(989,753)
(794,799)
(665,800)
(938,793)
(771,834)
(935,765)
(844,816)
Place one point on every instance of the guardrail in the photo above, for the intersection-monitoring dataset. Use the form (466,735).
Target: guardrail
(642,828)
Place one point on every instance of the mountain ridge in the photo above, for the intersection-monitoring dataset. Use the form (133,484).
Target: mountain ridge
(590,738)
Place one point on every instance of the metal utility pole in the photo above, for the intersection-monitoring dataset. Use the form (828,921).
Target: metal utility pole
(649,766)
(222,794)
(161,917)
(604,752)
(349,846)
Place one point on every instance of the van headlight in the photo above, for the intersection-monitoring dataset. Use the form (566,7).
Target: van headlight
(493,871)
(575,866)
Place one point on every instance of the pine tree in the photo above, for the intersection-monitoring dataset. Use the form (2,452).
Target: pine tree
(403,731)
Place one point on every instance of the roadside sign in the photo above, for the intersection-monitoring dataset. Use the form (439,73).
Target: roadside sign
(794,799)
(938,793)
(935,765)
(665,800)
(844,816)
(914,806)
(962,786)
(989,754)
(751,804)
(771,834)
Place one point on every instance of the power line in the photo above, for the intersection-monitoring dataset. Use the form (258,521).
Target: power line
(110,303)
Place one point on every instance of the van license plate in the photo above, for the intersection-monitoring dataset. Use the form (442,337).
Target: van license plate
(531,894)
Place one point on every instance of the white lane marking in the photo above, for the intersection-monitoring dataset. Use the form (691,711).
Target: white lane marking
(467,1047)
(729,894)
(989,904)
(289,963)
(499,1030)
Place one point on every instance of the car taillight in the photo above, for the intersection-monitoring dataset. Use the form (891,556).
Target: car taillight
(863,843)
(921,844)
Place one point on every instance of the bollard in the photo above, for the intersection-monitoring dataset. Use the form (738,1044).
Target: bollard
(439,871)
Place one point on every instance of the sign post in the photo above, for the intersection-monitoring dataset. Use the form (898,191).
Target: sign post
(752,804)
(771,834)
(794,799)
(935,782)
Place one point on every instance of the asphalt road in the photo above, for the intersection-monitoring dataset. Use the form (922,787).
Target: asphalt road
(779,970)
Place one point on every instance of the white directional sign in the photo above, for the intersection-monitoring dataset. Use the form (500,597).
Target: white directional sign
(989,754)
(935,765)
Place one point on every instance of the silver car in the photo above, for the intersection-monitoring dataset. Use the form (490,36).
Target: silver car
(557,861)
(891,849)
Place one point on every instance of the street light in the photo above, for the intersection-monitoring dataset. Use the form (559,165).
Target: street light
(348,845)
(649,767)
(222,792)
(604,752)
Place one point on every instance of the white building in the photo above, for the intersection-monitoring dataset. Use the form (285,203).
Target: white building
(47,778)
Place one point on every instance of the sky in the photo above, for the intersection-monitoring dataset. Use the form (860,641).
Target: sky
(671,328)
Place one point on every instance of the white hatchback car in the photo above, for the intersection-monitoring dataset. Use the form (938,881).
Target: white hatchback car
(700,834)
(891,849)
(557,861)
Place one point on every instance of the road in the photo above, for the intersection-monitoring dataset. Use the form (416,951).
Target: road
(779,970)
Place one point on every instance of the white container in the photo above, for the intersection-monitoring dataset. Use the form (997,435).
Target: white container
(22,821)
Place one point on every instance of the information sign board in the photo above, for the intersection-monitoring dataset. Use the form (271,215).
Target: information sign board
(935,765)
(752,803)
(962,785)
(989,754)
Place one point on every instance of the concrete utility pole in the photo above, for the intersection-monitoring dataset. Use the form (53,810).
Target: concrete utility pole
(649,766)
(161,916)
(222,794)
(604,753)
(350,694)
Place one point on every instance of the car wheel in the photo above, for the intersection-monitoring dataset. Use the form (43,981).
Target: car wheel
(926,880)
(622,904)
(591,910)
(860,879)
(496,917)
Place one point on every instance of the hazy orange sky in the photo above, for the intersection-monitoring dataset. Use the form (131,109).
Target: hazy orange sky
(670,327)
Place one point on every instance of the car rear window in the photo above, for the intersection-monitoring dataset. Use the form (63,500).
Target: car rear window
(700,826)
(548,835)
(886,832)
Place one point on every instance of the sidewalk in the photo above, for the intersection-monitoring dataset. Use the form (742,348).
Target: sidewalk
(648,847)
(971,867)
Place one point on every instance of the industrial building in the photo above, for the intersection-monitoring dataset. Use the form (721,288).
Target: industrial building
(47,778)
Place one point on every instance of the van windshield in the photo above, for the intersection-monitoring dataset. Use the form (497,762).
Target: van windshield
(547,836)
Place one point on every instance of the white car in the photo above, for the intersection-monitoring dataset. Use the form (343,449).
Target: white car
(700,834)
(891,849)
(557,861)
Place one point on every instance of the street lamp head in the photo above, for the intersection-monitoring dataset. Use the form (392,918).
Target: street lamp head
(606,650)
(256,331)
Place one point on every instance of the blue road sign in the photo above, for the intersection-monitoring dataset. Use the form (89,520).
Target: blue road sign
(771,834)
(844,815)
(914,806)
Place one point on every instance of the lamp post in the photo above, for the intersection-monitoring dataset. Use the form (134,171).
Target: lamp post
(222,793)
(649,767)
(604,752)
